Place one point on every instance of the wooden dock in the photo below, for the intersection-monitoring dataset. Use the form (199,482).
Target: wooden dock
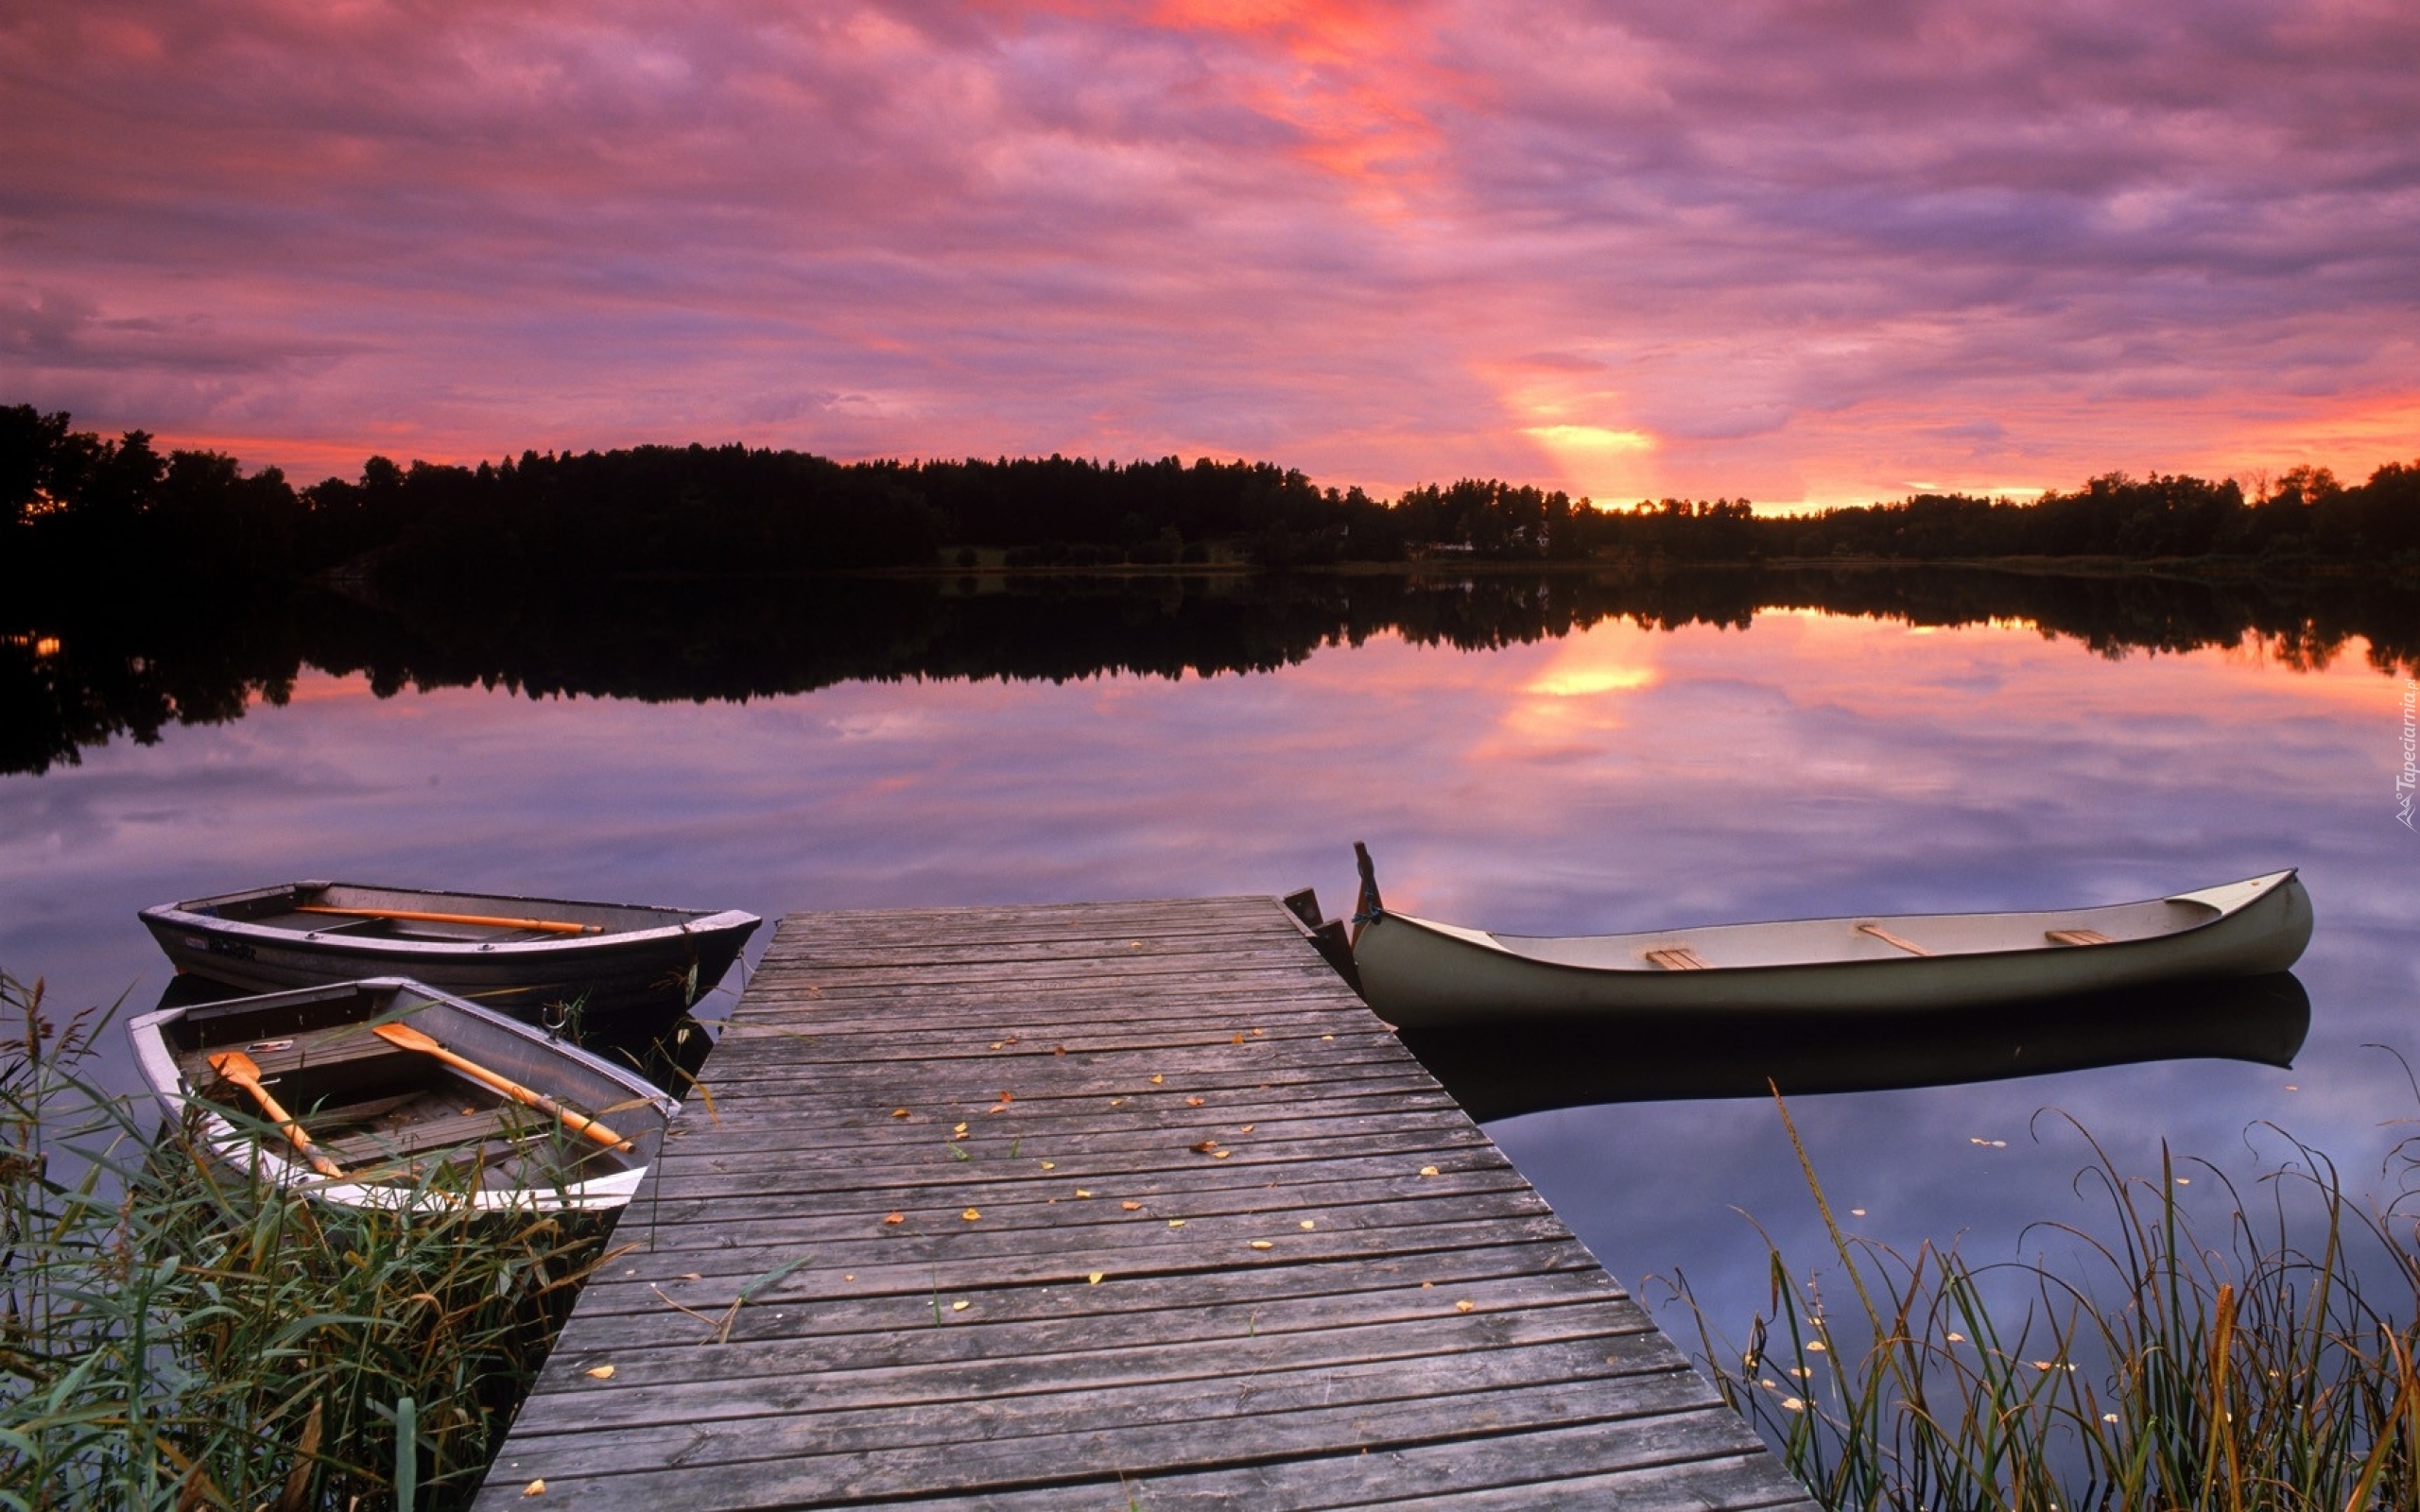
(1107,1205)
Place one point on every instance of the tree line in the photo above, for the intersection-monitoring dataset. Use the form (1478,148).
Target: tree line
(77,508)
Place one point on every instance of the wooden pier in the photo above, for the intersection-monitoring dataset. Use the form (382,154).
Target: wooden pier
(1107,1205)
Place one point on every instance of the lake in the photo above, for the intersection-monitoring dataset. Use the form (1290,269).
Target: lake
(1538,755)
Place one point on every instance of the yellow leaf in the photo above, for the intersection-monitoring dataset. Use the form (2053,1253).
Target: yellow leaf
(1081,1193)
(1176,1223)
(970,1216)
(899,1112)
(997,1044)
(1464,1306)
(849,1275)
(1428,1170)
(534,1488)
(894,1217)
(1306,1224)
(1132,1207)
(961,1130)
(1262,1244)
(603,1372)
(1221,1155)
(1095,1279)
(1157,1079)
(1247,1128)
(957,1307)
(1192,1102)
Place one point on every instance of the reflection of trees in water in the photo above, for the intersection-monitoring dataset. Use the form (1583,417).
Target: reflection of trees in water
(136,669)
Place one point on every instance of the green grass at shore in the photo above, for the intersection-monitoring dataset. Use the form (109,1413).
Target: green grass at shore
(2265,1363)
(174,1336)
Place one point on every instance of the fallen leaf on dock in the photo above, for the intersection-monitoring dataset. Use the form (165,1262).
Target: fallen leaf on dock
(1428,1170)
(998,1043)
(1096,1278)
(534,1488)
(1206,1147)
(1247,1128)
(970,1214)
(603,1372)
(1081,1193)
(899,1112)
(961,1130)
(894,1217)
(1132,1207)
(1049,1166)
(1156,1080)
(1007,1096)
(690,1276)
(957,1307)
(1221,1155)
(1262,1244)
(1176,1223)
(1057,1050)
(1306,1224)
(1260,1032)
(1465,1305)
(1192,1102)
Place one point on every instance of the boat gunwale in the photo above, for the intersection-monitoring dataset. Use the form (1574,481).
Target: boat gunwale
(694,921)
(2270,884)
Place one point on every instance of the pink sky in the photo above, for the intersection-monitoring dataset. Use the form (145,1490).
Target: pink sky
(1818,251)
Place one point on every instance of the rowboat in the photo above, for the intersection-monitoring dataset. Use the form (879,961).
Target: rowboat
(1416,973)
(385,1092)
(628,969)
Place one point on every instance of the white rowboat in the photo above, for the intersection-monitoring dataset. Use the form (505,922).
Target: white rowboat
(1417,972)
(401,1127)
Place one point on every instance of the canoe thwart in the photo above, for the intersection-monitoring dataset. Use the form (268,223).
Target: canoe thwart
(1676,958)
(2076,937)
(1887,939)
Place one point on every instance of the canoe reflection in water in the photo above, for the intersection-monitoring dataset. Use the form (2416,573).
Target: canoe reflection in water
(1530,1065)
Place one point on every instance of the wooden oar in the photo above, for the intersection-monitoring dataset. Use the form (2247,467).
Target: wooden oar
(407,1038)
(245,1072)
(551,926)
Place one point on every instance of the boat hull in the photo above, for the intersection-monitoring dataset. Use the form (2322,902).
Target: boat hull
(636,974)
(389,1115)
(1417,973)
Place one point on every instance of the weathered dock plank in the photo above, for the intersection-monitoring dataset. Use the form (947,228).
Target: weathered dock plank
(1110,1206)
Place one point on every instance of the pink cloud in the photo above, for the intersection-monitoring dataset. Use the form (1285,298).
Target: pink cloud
(1786,249)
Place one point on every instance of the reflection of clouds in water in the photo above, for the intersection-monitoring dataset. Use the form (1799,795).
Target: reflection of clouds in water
(1615,779)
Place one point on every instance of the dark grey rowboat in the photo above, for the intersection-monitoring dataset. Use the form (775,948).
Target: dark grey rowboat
(631,971)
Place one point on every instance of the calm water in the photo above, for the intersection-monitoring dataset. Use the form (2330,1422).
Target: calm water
(1613,778)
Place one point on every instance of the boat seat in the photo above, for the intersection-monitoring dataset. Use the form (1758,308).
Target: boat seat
(1676,958)
(1887,939)
(2077,936)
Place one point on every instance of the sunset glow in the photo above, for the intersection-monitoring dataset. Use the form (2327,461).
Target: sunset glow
(1798,254)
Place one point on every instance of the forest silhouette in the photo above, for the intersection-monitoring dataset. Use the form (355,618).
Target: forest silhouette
(79,511)
(145,590)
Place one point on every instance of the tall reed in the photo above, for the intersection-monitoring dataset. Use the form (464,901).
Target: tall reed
(2268,1364)
(172,1336)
